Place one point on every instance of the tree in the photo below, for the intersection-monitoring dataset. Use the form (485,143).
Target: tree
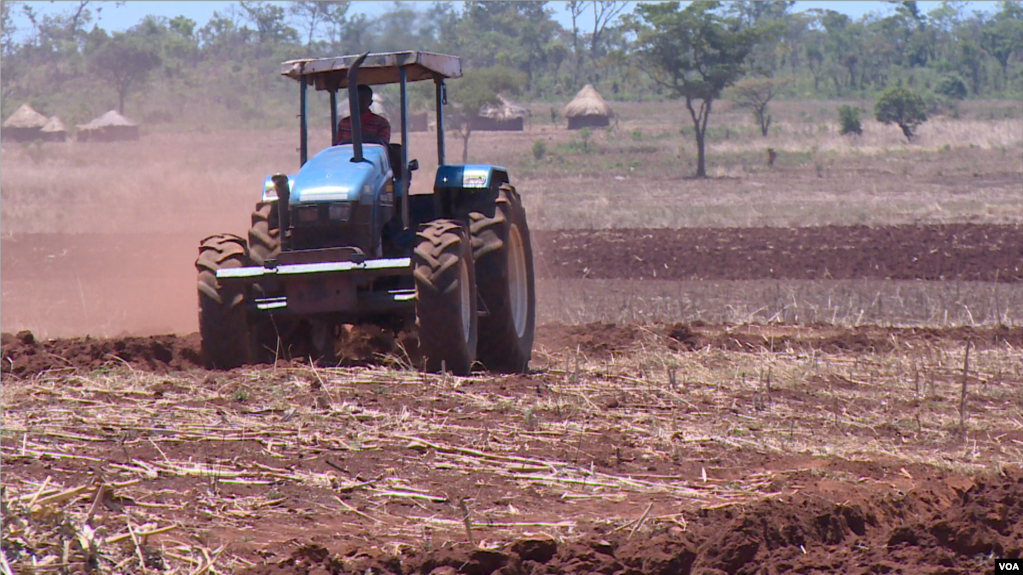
(335,14)
(575,9)
(849,120)
(766,15)
(7,28)
(269,22)
(951,86)
(755,94)
(604,13)
(969,57)
(695,53)
(1003,37)
(125,61)
(900,106)
(311,14)
(507,33)
(477,89)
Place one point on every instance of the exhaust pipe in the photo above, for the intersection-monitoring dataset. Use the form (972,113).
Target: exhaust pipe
(283,207)
(353,107)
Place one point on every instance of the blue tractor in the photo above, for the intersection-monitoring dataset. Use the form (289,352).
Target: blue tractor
(343,242)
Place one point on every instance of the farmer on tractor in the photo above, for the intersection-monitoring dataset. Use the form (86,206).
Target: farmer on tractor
(374,127)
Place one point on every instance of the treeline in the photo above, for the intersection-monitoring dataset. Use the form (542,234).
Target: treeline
(225,72)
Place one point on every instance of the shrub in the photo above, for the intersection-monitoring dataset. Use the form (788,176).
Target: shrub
(951,86)
(849,119)
(539,148)
(584,137)
(900,106)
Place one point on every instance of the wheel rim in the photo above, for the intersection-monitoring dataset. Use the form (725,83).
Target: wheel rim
(463,288)
(518,287)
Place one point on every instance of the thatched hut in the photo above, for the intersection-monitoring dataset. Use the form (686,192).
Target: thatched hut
(588,110)
(109,127)
(53,131)
(24,125)
(506,116)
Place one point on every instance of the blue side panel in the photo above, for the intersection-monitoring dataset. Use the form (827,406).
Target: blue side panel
(331,175)
(470,176)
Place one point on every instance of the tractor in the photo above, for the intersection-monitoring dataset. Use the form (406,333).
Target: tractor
(342,241)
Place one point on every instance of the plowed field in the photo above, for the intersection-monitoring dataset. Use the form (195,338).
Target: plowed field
(113,284)
(630,448)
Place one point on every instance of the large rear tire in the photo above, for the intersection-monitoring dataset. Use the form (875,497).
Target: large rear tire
(503,255)
(445,296)
(265,233)
(223,320)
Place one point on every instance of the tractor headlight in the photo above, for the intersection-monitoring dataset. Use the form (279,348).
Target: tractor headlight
(339,212)
(269,191)
(307,214)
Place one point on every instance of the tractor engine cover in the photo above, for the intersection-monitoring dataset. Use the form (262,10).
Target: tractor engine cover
(336,202)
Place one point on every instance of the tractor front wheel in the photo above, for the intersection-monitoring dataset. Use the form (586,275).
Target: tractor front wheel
(503,256)
(223,320)
(445,296)
(265,233)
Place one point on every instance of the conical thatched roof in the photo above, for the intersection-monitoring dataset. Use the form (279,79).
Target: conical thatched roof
(111,118)
(54,125)
(25,117)
(588,103)
(506,110)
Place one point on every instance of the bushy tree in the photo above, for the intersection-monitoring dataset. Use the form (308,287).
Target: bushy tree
(475,90)
(849,120)
(125,60)
(695,52)
(951,86)
(898,105)
(1003,37)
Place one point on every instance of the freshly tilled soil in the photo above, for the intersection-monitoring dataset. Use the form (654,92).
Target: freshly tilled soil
(943,526)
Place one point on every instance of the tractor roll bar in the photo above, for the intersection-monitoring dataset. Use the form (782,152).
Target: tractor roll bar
(442,98)
(303,129)
(402,77)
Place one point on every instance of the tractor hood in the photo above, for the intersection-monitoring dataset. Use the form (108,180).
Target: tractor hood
(331,175)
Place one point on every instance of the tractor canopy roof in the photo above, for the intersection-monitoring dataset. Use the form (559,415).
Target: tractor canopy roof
(378,68)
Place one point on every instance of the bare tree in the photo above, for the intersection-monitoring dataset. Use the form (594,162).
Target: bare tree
(576,9)
(313,13)
(755,94)
(604,13)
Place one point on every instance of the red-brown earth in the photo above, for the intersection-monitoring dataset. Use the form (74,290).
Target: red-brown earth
(120,284)
(816,515)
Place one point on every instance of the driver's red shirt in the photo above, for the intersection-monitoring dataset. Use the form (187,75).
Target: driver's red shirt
(374,127)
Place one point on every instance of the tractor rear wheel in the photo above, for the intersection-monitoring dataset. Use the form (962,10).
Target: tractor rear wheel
(223,320)
(503,256)
(445,296)
(265,233)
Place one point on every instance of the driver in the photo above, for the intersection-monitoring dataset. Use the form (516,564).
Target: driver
(374,127)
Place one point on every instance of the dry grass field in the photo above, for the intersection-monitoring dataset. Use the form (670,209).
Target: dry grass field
(856,409)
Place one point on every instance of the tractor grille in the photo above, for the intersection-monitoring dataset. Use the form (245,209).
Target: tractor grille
(314,228)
